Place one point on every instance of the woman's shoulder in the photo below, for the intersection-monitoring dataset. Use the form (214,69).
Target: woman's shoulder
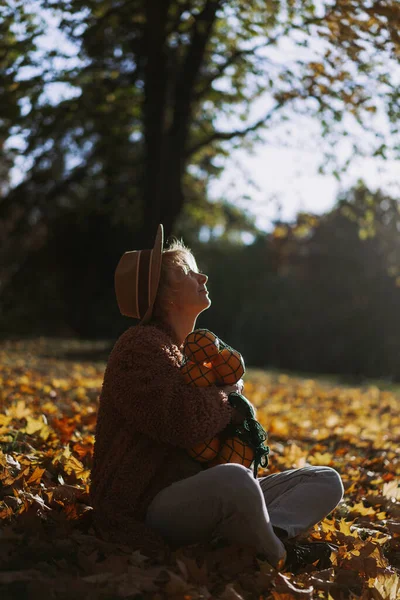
(144,333)
(151,336)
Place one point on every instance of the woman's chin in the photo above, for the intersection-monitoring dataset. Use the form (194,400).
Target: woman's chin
(206,304)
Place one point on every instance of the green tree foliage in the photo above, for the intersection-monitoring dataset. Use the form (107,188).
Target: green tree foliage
(18,32)
(155,79)
(159,93)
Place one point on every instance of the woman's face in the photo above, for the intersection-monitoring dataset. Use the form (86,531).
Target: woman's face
(192,295)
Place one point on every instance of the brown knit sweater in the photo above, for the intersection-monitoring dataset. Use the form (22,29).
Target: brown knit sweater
(148,415)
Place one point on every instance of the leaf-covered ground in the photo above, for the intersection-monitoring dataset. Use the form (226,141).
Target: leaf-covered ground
(49,391)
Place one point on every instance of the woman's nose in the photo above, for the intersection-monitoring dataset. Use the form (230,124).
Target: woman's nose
(204,278)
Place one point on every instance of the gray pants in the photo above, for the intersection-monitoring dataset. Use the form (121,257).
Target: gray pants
(226,502)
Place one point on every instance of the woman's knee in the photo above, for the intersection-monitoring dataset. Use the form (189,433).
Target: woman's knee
(235,480)
(333,483)
(231,473)
(239,492)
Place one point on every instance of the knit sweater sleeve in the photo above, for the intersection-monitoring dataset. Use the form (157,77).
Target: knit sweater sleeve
(148,390)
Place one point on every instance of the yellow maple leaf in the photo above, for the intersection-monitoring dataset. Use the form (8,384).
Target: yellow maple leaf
(32,425)
(36,475)
(19,410)
(318,458)
(344,527)
(72,464)
(360,508)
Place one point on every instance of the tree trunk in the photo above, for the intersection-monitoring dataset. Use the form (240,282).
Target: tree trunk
(154,108)
(167,115)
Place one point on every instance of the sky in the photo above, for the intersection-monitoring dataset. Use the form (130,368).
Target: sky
(288,180)
(284,167)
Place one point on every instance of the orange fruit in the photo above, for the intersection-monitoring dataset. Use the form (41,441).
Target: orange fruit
(228,366)
(198,374)
(201,345)
(234,450)
(205,451)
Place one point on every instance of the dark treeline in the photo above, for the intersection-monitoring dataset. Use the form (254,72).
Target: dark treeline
(319,295)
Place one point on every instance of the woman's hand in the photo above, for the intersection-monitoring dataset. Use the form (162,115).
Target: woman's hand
(236,387)
(237,417)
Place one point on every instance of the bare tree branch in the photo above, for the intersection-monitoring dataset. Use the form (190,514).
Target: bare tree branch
(231,60)
(228,135)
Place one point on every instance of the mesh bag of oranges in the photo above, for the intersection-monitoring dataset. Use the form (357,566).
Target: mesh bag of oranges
(209,361)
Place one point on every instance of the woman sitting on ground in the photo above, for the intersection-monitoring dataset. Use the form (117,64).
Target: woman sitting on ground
(146,491)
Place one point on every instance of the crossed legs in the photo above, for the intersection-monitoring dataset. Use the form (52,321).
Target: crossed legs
(227,502)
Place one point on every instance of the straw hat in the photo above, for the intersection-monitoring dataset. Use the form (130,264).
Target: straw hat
(136,280)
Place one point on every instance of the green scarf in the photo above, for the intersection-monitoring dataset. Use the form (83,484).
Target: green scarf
(250,431)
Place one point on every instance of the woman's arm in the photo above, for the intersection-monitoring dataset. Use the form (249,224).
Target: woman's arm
(150,393)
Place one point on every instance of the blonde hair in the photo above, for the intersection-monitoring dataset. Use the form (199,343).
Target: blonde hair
(176,262)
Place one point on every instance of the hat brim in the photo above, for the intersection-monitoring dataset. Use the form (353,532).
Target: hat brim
(155,267)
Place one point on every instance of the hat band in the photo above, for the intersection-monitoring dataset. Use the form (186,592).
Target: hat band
(144,281)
